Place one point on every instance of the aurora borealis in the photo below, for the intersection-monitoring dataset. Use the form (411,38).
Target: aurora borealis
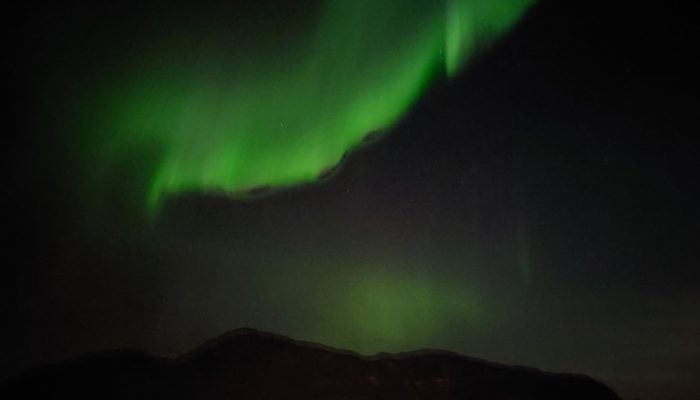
(219,112)
(510,180)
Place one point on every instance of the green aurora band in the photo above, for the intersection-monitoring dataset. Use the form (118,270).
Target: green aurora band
(212,111)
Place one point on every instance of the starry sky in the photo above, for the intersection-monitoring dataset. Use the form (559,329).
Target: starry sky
(512,180)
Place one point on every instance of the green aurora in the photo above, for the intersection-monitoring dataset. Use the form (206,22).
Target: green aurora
(221,110)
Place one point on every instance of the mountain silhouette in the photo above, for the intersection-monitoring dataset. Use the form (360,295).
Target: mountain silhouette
(249,364)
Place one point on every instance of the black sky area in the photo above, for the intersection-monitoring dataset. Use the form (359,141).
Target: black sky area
(568,147)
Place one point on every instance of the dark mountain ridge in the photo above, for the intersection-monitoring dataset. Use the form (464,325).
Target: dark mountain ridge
(249,364)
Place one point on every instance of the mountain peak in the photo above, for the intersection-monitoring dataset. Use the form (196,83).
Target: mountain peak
(251,364)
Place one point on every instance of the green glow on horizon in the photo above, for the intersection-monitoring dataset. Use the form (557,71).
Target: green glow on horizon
(205,118)
(380,311)
(370,307)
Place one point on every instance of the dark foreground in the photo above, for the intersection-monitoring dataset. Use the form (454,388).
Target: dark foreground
(247,364)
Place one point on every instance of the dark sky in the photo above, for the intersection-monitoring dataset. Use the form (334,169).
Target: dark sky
(538,209)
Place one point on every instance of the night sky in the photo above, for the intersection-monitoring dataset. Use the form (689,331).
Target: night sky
(512,180)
